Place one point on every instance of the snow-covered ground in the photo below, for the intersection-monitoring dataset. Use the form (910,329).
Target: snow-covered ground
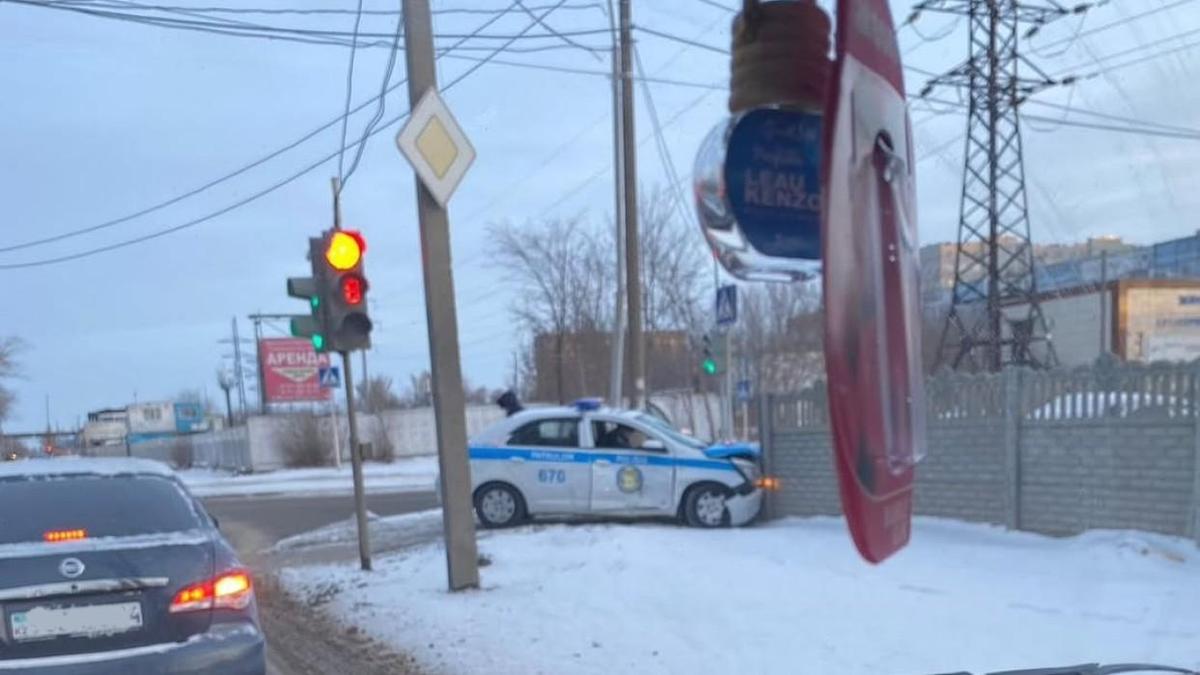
(409,474)
(788,597)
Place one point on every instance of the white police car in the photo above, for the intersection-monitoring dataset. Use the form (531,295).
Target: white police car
(586,459)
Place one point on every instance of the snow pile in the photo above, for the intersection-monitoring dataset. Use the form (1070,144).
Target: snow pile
(419,523)
(789,597)
(416,474)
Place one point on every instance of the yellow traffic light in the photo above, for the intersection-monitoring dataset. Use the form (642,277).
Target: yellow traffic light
(345,250)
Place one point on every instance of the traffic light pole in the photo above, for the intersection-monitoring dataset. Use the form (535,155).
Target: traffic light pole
(356,462)
(462,563)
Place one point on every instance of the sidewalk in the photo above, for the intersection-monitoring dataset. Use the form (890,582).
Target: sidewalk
(403,475)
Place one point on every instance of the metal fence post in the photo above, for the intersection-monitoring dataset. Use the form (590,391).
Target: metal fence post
(766,440)
(1012,446)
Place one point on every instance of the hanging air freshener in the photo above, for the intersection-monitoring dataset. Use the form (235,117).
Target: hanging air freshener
(757,173)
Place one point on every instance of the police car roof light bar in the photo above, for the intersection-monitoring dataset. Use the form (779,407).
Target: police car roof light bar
(588,404)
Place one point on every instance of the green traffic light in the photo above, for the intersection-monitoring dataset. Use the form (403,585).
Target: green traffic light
(318,342)
(315,301)
(709,366)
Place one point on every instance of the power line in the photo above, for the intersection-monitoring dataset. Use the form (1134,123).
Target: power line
(318,11)
(714,3)
(349,92)
(664,152)
(252,165)
(380,109)
(251,198)
(1115,24)
(245,29)
(681,40)
(1131,126)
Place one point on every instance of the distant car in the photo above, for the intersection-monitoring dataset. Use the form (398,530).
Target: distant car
(110,565)
(587,459)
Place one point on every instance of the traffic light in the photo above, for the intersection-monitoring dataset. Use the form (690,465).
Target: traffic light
(312,325)
(336,294)
(342,291)
(713,360)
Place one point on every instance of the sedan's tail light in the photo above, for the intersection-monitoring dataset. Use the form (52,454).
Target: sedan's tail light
(231,590)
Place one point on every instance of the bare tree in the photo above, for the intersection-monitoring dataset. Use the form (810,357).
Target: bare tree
(377,394)
(674,269)
(10,347)
(565,274)
(779,334)
(419,393)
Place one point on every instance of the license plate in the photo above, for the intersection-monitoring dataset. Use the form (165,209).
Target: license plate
(79,621)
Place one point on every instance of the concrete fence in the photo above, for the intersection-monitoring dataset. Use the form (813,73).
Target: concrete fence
(258,445)
(1109,446)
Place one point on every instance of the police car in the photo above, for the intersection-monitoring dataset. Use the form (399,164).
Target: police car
(586,459)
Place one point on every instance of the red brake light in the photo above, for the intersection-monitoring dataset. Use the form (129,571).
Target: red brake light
(232,590)
(54,536)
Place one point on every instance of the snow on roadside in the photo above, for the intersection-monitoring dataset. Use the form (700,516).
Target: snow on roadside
(346,530)
(789,597)
(403,475)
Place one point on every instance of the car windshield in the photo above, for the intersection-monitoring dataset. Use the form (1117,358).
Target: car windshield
(674,434)
(605,336)
(94,506)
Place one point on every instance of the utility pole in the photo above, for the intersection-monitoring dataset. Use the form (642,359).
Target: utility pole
(458,520)
(356,462)
(238,373)
(633,276)
(994,266)
(617,371)
(262,389)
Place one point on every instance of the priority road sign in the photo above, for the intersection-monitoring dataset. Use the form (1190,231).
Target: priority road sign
(330,378)
(436,146)
(727,305)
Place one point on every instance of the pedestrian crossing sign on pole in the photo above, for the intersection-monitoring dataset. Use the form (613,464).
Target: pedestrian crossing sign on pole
(330,378)
(727,305)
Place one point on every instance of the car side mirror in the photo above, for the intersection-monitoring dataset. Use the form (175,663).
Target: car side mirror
(653,444)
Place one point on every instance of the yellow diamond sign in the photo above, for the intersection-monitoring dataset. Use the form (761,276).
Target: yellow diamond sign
(436,146)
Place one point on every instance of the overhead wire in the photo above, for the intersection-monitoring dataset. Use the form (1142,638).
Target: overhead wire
(380,108)
(258,30)
(213,183)
(349,93)
(680,39)
(325,10)
(246,200)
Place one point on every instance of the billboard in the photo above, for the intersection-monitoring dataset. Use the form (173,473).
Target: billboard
(289,370)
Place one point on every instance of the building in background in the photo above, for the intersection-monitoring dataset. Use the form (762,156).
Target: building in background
(1056,265)
(1141,320)
(105,427)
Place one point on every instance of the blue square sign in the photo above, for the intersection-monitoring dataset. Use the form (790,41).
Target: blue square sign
(330,378)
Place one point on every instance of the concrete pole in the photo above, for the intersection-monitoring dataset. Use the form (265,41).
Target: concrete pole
(458,520)
(617,370)
(633,275)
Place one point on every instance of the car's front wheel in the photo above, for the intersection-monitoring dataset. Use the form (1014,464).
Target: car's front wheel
(705,506)
(499,505)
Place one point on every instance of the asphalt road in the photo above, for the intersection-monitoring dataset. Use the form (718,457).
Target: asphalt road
(299,641)
(273,517)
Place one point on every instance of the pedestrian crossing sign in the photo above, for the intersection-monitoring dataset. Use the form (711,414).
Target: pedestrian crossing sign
(330,378)
(727,305)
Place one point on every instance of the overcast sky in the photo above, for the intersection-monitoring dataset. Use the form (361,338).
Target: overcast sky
(102,118)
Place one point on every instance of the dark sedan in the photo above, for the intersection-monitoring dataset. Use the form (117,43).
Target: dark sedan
(111,566)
